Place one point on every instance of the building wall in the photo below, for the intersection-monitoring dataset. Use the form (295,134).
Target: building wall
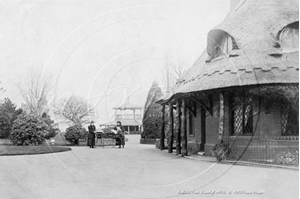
(194,139)
(266,120)
(212,125)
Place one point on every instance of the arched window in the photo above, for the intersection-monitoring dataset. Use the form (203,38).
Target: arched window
(289,36)
(225,46)
(219,44)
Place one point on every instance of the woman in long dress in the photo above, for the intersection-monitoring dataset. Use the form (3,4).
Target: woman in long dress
(120,134)
(91,135)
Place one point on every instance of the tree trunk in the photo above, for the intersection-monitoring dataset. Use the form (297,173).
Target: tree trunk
(183,129)
(162,132)
(178,126)
(170,147)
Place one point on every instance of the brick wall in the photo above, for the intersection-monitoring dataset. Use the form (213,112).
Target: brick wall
(212,125)
(268,121)
(194,139)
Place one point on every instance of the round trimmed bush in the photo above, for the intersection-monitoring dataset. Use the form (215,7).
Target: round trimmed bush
(28,130)
(74,133)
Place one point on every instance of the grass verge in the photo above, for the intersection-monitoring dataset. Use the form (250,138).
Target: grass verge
(7,150)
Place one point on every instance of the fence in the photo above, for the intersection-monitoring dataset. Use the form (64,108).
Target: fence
(275,150)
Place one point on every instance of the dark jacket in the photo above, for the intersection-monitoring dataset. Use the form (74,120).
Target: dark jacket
(92,130)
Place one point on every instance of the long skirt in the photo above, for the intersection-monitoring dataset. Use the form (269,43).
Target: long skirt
(91,142)
(120,140)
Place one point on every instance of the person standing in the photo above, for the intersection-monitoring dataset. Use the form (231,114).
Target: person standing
(120,134)
(91,135)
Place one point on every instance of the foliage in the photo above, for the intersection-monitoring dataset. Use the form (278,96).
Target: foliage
(74,110)
(223,151)
(8,114)
(52,129)
(107,130)
(152,113)
(283,94)
(28,130)
(287,158)
(5,126)
(74,133)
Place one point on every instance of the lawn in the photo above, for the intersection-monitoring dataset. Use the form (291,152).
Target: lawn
(7,148)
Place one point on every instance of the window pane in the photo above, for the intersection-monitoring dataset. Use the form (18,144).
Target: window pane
(289,121)
(242,114)
(229,47)
(248,119)
(286,38)
(223,45)
(237,115)
(289,36)
(296,38)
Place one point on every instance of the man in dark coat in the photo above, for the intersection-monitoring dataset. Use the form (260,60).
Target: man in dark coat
(91,135)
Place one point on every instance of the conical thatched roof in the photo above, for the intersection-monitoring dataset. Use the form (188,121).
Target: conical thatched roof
(254,25)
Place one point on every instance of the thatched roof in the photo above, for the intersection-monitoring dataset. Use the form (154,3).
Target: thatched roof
(254,26)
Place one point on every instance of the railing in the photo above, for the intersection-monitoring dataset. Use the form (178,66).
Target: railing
(128,116)
(275,150)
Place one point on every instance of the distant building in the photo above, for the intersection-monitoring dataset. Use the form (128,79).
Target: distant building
(226,94)
(130,115)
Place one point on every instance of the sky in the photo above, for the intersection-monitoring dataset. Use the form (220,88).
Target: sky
(105,51)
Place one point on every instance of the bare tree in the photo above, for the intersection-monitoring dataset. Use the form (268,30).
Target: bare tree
(35,89)
(173,71)
(1,88)
(1,91)
(74,110)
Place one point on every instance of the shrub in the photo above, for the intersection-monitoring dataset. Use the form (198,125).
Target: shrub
(52,130)
(28,130)
(288,158)
(152,113)
(74,133)
(107,130)
(5,126)
(223,151)
(8,113)
(107,133)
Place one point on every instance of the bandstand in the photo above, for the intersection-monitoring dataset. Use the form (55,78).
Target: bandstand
(130,115)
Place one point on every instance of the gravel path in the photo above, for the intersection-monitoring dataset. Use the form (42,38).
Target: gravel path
(138,171)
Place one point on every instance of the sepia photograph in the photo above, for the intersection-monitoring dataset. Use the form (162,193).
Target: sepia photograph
(149,99)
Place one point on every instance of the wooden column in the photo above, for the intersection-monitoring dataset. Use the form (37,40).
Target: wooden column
(183,129)
(178,127)
(162,132)
(170,144)
(221,118)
